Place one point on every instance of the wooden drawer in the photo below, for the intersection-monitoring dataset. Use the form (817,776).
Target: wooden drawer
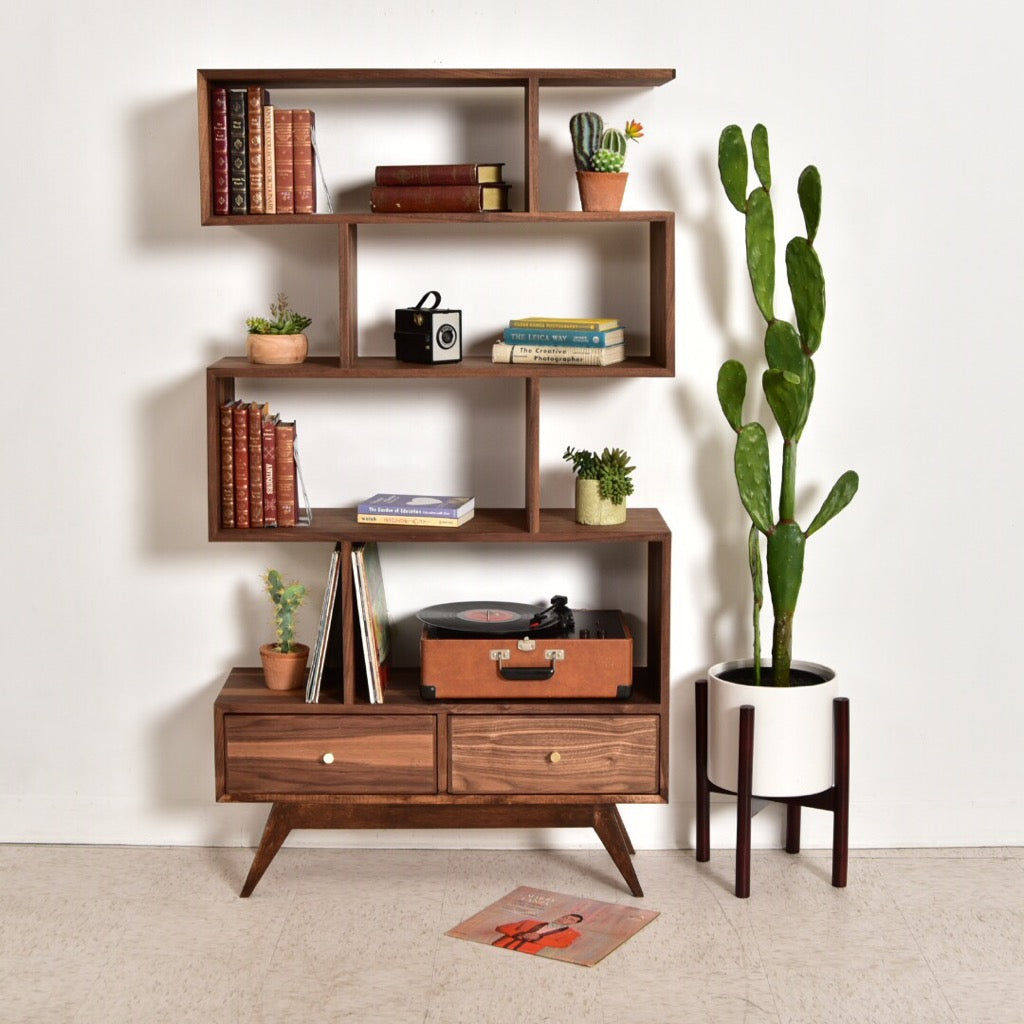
(554,754)
(306,754)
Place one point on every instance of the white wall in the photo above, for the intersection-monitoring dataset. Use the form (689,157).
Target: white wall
(121,620)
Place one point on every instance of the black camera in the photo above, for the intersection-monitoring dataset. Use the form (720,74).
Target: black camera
(426,334)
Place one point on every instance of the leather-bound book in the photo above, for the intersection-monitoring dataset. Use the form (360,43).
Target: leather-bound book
(256,98)
(284,168)
(303,123)
(240,425)
(270,470)
(227,465)
(256,414)
(287,490)
(219,140)
(238,151)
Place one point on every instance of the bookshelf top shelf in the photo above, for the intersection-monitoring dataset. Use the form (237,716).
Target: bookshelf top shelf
(334,78)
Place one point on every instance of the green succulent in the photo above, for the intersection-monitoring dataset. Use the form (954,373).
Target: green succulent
(611,469)
(788,384)
(285,320)
(286,598)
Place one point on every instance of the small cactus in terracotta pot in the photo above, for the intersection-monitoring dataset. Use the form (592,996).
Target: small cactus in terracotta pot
(284,662)
(600,154)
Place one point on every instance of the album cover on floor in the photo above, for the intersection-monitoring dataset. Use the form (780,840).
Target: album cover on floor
(553,925)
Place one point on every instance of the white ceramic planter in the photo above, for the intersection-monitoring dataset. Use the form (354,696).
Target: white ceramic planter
(793,732)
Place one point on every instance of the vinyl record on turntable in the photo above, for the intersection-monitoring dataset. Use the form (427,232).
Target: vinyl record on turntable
(493,617)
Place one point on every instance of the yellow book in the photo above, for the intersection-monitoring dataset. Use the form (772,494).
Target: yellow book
(568,323)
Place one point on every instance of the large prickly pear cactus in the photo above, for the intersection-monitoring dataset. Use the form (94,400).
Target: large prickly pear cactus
(788,385)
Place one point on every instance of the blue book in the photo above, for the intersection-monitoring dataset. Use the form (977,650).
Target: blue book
(438,506)
(562,336)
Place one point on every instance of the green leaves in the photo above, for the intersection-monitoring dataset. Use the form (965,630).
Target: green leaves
(753,475)
(759,149)
(785,393)
(838,498)
(807,285)
(760,239)
(808,188)
(732,389)
(732,166)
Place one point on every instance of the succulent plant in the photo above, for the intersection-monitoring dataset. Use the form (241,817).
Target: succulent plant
(596,148)
(611,469)
(788,385)
(285,320)
(286,598)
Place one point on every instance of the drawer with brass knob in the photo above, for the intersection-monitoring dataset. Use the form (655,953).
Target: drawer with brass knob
(304,754)
(554,754)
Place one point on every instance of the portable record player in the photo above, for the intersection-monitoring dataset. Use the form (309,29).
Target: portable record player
(496,650)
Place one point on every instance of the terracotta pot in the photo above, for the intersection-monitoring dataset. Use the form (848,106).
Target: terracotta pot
(601,190)
(284,671)
(592,509)
(793,730)
(276,349)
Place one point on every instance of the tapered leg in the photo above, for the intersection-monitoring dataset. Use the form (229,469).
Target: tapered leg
(744,794)
(617,818)
(841,811)
(608,826)
(274,834)
(703,789)
(792,828)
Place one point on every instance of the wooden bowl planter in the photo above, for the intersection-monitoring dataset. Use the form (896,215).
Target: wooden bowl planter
(277,349)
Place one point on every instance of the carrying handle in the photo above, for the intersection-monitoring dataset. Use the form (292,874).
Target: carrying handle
(538,672)
(437,301)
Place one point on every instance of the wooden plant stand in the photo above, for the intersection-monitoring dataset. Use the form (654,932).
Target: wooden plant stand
(286,815)
(835,799)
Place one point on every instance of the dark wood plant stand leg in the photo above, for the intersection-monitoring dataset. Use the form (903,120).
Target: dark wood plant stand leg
(286,815)
(835,799)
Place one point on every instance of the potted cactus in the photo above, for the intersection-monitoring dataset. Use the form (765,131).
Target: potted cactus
(284,662)
(600,154)
(602,485)
(780,686)
(278,341)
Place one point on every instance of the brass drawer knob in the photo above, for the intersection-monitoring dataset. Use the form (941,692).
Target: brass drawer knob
(554,757)
(328,758)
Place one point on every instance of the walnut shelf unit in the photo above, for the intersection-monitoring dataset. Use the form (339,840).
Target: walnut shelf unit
(411,763)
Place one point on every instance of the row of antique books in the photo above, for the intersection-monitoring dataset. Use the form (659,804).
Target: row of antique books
(596,341)
(260,481)
(439,188)
(263,156)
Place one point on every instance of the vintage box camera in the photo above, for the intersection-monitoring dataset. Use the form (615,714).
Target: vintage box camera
(426,334)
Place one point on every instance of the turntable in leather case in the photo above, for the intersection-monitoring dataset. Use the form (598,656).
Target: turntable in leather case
(496,650)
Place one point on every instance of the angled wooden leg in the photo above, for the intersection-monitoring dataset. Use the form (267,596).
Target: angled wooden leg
(744,795)
(792,827)
(611,834)
(617,818)
(841,810)
(703,788)
(275,832)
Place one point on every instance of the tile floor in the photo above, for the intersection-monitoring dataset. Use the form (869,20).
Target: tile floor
(101,935)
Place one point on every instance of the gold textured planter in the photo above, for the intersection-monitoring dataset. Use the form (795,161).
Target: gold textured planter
(601,190)
(277,349)
(592,509)
(284,671)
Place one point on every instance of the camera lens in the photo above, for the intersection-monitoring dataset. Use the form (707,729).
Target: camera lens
(446,336)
